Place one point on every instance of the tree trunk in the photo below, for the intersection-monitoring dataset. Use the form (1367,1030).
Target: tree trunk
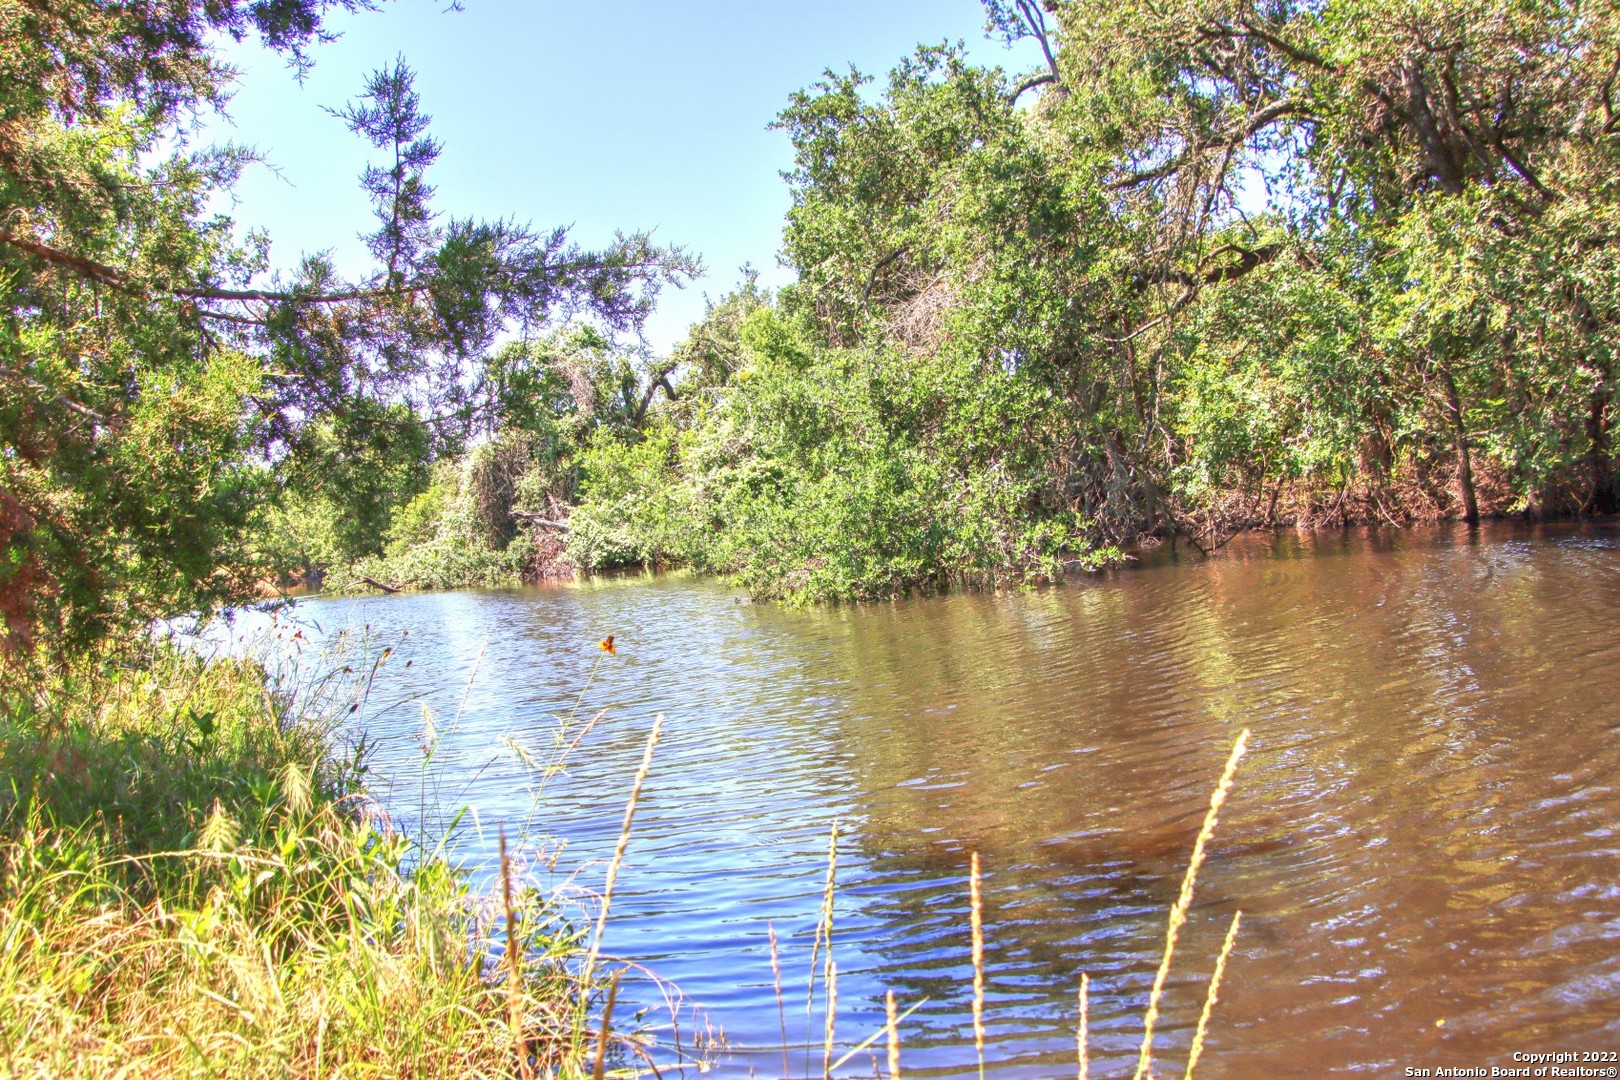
(1603,498)
(385,586)
(1465,463)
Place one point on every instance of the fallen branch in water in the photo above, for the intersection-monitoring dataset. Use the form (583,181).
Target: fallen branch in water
(384,586)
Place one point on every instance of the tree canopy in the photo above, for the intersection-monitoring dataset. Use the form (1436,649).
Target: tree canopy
(157,381)
(1213,264)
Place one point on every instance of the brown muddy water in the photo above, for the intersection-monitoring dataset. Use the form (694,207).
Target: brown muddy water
(1423,838)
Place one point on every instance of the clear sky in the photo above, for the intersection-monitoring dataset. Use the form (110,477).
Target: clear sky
(635,115)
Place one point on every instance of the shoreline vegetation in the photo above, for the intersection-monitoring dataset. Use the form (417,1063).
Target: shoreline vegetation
(348,581)
(1318,273)
(194,883)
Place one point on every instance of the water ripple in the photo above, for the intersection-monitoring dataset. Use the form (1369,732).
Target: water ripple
(1423,840)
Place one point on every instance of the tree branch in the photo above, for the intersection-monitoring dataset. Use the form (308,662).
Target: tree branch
(117,279)
(1029,84)
(226,316)
(344,296)
(532,518)
(1248,260)
(871,279)
(61,399)
(384,586)
(81,266)
(1293,52)
(1035,19)
(656,378)
(1265,117)
(114,278)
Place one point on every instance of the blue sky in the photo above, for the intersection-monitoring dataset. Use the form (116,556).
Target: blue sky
(637,115)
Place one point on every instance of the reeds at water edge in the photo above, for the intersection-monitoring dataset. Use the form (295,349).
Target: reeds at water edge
(824,964)
(781,1008)
(514,967)
(976,921)
(1210,998)
(1178,911)
(192,883)
(620,848)
(1081,1038)
(304,932)
(891,1028)
(1176,920)
(605,1027)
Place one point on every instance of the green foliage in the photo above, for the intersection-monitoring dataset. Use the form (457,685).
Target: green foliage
(145,753)
(1417,325)
(636,509)
(148,370)
(1026,330)
(418,520)
(837,474)
(123,483)
(1037,317)
(549,405)
(340,494)
(459,532)
(188,887)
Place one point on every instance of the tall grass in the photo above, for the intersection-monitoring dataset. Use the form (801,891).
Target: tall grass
(190,885)
(1143,1066)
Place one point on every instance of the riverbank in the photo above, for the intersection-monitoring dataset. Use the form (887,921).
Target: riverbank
(1303,522)
(194,884)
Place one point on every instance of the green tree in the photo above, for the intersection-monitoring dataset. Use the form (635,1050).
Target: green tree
(1427,297)
(1210,264)
(340,493)
(148,371)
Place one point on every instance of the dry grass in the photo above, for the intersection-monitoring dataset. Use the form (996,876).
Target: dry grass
(1081,1037)
(1176,921)
(1212,996)
(781,1006)
(286,960)
(620,848)
(1178,912)
(891,1028)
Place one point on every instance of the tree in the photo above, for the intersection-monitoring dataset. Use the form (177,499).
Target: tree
(1211,264)
(1465,150)
(1438,179)
(148,373)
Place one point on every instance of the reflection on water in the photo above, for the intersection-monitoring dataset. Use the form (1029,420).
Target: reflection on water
(1422,838)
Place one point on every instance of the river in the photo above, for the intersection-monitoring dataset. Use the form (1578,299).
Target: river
(1422,838)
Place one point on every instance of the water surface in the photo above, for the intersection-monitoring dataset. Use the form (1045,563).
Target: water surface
(1422,838)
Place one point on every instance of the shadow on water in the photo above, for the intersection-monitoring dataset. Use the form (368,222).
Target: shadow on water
(1422,839)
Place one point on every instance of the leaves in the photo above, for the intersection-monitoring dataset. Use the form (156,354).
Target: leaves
(161,401)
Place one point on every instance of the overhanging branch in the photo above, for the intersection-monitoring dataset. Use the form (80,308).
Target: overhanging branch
(1029,84)
(658,377)
(114,278)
